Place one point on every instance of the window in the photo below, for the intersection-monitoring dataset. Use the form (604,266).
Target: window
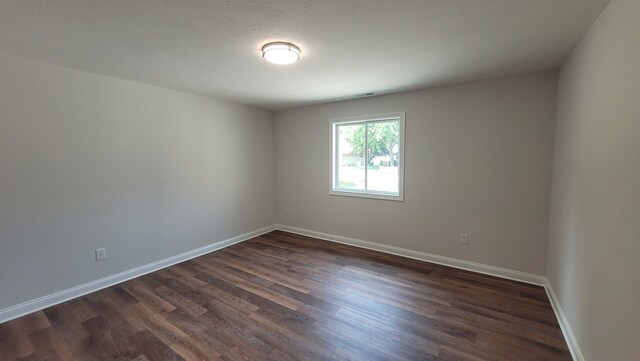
(367,156)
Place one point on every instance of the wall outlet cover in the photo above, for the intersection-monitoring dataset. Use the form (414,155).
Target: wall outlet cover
(101,254)
(464,238)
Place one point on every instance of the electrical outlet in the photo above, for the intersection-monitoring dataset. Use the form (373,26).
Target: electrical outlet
(101,254)
(464,238)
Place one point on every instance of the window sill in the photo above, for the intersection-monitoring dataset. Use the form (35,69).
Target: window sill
(381,196)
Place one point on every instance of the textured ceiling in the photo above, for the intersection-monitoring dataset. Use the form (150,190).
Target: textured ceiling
(348,47)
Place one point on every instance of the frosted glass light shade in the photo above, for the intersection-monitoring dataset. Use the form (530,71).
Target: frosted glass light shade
(281,53)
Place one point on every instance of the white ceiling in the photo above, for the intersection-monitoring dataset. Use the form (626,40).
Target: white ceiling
(348,47)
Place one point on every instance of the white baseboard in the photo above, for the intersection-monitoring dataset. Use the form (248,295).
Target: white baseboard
(40,303)
(421,256)
(569,337)
(461,264)
(37,304)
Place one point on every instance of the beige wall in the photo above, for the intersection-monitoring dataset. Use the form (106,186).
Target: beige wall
(594,247)
(88,161)
(478,161)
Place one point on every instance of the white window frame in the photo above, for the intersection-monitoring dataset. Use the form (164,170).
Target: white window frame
(334,190)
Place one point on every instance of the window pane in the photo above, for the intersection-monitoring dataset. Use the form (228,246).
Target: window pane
(367,156)
(383,156)
(351,163)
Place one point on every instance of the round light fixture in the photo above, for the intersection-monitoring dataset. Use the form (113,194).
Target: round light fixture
(281,53)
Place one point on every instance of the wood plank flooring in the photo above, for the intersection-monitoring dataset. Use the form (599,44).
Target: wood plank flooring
(287,297)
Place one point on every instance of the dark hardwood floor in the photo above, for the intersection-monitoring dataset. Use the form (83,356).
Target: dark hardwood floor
(287,297)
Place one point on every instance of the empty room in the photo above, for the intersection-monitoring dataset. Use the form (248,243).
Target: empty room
(320,180)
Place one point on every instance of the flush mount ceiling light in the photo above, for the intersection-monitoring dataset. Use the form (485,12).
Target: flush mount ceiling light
(281,53)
